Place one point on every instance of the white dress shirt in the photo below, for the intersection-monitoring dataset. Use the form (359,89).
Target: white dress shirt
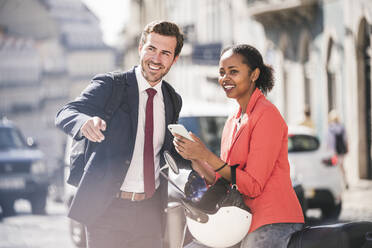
(134,181)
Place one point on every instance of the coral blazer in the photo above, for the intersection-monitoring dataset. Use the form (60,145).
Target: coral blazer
(260,148)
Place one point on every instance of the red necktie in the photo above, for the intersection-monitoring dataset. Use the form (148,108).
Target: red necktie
(148,152)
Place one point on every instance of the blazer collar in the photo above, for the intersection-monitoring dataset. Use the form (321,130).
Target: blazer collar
(252,102)
(257,94)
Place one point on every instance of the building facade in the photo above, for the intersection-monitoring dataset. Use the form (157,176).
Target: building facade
(47,57)
(320,51)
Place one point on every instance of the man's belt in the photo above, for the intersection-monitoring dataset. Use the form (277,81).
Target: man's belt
(133,196)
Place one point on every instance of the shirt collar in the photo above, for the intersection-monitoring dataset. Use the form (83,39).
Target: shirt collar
(143,85)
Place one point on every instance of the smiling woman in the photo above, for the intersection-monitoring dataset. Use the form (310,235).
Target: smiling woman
(255,139)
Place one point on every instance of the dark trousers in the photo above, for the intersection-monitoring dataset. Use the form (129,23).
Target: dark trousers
(128,224)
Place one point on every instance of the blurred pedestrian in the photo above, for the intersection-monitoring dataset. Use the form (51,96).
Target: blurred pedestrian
(337,140)
(308,122)
(121,196)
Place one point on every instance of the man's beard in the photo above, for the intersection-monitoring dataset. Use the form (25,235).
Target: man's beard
(149,76)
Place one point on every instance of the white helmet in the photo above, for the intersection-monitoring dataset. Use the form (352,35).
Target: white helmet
(220,219)
(224,228)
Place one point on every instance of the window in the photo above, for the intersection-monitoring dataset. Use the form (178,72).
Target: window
(207,128)
(302,143)
(10,138)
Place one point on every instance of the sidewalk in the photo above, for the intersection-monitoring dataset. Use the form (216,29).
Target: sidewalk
(357,202)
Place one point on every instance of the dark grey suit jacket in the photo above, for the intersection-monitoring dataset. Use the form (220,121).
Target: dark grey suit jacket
(107,166)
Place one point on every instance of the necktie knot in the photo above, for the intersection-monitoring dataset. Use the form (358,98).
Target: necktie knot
(151,92)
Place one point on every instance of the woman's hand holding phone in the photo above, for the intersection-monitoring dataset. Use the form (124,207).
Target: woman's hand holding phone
(192,148)
(187,144)
(180,130)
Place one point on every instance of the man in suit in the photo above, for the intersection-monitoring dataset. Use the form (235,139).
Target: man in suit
(121,196)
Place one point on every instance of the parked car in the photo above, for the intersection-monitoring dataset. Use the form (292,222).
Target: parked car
(23,173)
(317,169)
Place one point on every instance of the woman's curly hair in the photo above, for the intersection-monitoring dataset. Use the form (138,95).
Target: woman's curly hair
(253,58)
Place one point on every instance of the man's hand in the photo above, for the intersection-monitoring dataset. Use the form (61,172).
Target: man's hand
(91,129)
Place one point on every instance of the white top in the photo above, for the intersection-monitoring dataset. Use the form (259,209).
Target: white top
(134,181)
(238,121)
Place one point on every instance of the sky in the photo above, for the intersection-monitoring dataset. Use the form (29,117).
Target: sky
(113,14)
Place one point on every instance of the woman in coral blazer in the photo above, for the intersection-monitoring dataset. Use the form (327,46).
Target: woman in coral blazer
(255,138)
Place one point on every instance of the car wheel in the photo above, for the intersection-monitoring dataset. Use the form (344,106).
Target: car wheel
(332,212)
(77,232)
(304,207)
(300,193)
(8,208)
(38,202)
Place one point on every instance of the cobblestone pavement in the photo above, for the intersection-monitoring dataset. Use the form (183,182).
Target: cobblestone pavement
(36,231)
(31,231)
(357,202)
(356,205)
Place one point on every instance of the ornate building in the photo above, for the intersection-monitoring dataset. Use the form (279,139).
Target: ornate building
(49,50)
(320,51)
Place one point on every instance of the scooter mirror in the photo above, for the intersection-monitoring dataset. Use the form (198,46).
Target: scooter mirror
(170,162)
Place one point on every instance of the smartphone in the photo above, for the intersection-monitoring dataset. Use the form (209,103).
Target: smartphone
(180,130)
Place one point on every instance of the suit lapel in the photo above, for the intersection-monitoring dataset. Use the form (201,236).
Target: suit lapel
(133,99)
(168,105)
(168,108)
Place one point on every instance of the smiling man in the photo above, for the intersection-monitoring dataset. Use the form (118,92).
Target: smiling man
(121,197)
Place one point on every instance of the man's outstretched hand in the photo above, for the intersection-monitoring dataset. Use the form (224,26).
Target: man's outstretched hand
(92,128)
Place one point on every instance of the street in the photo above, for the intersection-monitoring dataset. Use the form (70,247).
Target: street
(29,231)
(356,206)
(34,231)
(358,202)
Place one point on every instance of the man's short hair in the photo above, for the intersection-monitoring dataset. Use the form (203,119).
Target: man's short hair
(164,28)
